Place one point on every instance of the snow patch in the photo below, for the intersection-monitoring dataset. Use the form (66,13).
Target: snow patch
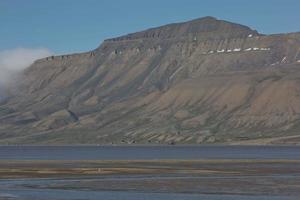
(250,36)
(274,63)
(265,49)
(237,50)
(284,59)
(178,70)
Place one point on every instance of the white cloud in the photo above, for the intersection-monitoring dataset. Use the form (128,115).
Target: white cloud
(14,61)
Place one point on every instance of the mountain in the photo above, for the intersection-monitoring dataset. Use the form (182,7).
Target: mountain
(202,81)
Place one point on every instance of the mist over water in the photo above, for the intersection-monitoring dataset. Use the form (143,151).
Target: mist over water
(14,61)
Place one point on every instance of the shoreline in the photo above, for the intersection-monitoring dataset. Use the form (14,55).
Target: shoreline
(59,168)
(236,144)
(249,177)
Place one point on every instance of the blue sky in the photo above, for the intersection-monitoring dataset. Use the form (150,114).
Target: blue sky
(67,26)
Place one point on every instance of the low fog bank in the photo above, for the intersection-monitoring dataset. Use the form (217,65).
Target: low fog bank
(13,61)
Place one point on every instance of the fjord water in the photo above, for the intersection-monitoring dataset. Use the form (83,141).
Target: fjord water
(147,152)
(117,195)
(14,188)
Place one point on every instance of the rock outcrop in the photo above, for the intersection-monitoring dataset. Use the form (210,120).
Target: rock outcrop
(202,81)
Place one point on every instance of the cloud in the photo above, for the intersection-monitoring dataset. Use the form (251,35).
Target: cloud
(14,61)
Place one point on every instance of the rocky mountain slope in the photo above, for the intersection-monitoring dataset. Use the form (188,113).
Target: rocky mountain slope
(202,81)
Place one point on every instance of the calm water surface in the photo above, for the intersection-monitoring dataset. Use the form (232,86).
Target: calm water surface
(13,189)
(102,195)
(149,152)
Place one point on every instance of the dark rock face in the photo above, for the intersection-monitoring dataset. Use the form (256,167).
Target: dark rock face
(203,81)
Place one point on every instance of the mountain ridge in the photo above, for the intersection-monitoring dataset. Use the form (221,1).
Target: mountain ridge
(196,26)
(162,86)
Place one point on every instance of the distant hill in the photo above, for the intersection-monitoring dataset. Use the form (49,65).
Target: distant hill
(202,81)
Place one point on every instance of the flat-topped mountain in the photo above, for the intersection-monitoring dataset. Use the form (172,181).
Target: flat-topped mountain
(204,28)
(202,81)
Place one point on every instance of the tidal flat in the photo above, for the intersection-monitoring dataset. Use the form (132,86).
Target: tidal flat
(220,178)
(149,172)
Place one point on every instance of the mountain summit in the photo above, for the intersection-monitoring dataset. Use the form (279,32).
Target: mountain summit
(202,81)
(205,28)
